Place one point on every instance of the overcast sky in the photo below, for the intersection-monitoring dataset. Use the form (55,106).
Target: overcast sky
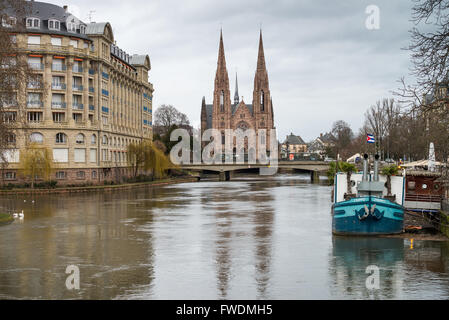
(323,63)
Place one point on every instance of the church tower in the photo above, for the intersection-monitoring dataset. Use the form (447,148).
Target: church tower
(221,114)
(263,111)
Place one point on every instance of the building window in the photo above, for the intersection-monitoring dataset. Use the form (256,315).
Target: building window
(82,29)
(94,174)
(61,175)
(80,155)
(9,176)
(33,23)
(262,101)
(105,140)
(93,139)
(54,25)
(58,116)
(11,138)
(34,116)
(78,117)
(9,117)
(80,175)
(9,22)
(71,27)
(35,63)
(36,137)
(80,138)
(74,43)
(61,137)
(93,155)
(56,41)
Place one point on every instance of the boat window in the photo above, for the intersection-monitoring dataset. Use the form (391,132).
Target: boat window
(353,183)
(424,186)
(436,186)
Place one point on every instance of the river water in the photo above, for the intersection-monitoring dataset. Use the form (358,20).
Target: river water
(244,239)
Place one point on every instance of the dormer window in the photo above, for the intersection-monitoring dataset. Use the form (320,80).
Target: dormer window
(54,25)
(8,22)
(71,27)
(34,23)
(82,29)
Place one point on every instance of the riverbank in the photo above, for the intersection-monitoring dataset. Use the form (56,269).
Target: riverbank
(5,219)
(64,190)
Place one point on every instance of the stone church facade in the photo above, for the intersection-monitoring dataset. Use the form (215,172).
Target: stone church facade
(225,114)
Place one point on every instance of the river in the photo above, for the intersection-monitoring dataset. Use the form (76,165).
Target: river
(249,238)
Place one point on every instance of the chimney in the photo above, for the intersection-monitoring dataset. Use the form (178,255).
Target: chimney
(65,8)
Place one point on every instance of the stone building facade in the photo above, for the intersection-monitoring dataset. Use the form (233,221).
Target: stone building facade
(95,99)
(225,114)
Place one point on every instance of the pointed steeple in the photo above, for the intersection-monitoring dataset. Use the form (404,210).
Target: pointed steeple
(261,55)
(222,94)
(236,95)
(221,63)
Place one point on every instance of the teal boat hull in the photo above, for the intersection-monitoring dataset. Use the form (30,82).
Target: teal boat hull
(367,216)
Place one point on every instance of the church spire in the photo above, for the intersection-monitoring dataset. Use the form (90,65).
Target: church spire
(236,95)
(221,63)
(261,55)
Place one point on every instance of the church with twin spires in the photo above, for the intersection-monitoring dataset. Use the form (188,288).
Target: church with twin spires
(223,114)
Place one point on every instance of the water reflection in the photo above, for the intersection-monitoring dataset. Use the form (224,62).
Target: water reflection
(249,238)
(405,270)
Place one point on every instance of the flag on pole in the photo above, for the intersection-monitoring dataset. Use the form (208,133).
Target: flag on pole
(370,138)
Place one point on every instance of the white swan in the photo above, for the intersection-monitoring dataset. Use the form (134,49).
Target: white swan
(19,215)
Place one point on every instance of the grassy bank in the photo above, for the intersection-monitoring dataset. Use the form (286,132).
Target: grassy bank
(5,218)
(108,187)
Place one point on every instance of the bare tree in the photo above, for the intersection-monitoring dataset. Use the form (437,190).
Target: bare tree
(342,136)
(167,116)
(15,75)
(430,55)
(383,121)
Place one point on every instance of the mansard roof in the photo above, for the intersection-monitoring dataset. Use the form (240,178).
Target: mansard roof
(140,60)
(45,12)
(100,29)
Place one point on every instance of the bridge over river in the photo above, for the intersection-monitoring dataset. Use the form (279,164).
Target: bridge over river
(225,170)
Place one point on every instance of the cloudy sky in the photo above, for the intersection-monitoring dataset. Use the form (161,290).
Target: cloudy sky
(324,64)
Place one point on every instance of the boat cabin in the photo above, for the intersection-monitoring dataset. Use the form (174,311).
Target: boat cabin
(423,191)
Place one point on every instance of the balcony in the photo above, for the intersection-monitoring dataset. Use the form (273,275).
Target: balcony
(91,89)
(58,67)
(10,104)
(91,107)
(58,86)
(91,72)
(36,66)
(77,106)
(77,87)
(34,104)
(77,69)
(105,75)
(105,92)
(34,85)
(58,105)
